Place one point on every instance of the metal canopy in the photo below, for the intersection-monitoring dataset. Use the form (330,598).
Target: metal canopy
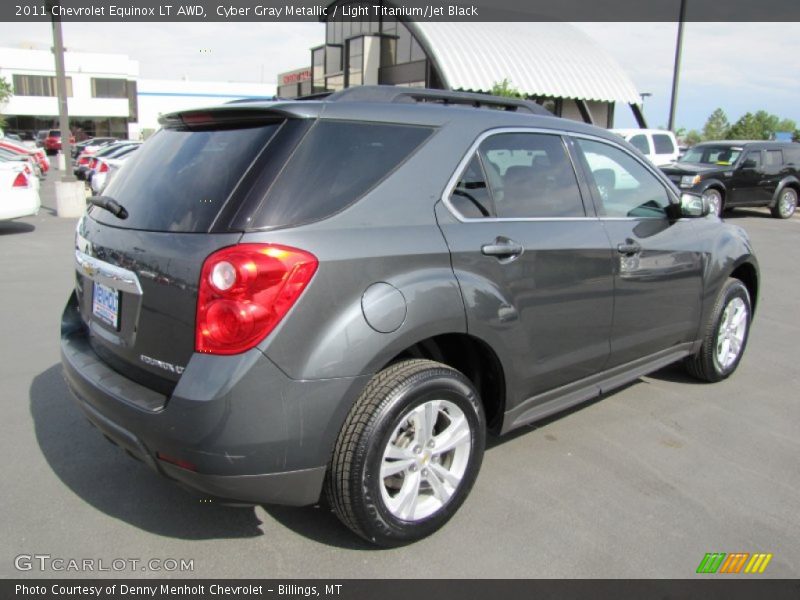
(540,59)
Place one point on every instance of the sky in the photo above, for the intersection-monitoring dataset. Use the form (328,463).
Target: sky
(738,67)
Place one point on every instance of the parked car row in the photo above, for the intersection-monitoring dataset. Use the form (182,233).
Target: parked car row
(98,163)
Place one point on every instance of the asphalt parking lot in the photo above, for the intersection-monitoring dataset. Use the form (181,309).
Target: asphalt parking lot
(641,483)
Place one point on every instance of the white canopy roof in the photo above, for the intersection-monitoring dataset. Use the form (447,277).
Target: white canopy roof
(542,59)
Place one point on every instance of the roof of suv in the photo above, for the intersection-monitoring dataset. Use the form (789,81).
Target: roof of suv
(390,104)
(738,143)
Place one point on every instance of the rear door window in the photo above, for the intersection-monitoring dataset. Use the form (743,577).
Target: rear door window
(639,141)
(335,165)
(181,178)
(773,158)
(663,144)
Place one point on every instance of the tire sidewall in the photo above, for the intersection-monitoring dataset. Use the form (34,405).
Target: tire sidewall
(735,289)
(433,384)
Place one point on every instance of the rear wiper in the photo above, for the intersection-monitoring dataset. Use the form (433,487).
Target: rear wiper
(111,205)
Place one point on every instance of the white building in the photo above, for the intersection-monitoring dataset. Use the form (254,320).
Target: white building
(105,95)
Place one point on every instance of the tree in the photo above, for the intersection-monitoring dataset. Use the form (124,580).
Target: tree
(505,89)
(716,127)
(5,94)
(759,126)
(692,137)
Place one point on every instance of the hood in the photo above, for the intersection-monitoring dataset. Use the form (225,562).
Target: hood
(681,168)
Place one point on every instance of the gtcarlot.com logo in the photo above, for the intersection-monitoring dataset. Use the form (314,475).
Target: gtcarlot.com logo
(47,562)
(734,563)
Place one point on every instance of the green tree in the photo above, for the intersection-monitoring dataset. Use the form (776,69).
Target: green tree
(5,94)
(505,89)
(716,127)
(692,137)
(759,126)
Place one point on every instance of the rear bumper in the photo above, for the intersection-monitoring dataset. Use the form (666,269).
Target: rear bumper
(252,434)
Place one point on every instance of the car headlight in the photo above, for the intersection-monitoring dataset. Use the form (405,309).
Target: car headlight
(690,180)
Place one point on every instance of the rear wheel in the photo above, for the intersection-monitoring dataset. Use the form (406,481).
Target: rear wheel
(725,336)
(408,453)
(786,204)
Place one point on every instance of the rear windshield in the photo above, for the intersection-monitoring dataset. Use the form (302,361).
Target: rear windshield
(180,179)
(336,163)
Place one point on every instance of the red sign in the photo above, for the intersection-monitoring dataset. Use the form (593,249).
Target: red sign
(295,76)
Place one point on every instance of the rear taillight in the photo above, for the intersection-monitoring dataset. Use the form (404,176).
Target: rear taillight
(93,163)
(20,180)
(102,167)
(244,293)
(83,160)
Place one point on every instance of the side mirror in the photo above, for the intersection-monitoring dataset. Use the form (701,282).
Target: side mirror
(694,205)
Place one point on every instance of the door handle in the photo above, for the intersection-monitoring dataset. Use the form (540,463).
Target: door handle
(503,249)
(629,247)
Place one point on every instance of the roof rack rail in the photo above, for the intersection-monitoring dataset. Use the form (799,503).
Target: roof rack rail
(390,93)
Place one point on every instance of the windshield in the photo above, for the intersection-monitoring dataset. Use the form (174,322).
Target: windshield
(711,155)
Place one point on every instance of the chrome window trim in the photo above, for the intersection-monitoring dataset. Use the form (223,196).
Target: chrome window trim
(464,162)
(107,274)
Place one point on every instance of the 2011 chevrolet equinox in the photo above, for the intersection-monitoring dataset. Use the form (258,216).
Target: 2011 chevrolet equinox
(280,300)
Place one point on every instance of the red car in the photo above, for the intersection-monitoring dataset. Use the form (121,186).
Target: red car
(52,143)
(38,155)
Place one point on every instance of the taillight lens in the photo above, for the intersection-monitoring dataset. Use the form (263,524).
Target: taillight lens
(102,167)
(83,160)
(244,293)
(20,180)
(93,163)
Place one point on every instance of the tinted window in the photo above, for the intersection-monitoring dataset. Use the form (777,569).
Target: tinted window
(711,155)
(792,156)
(336,164)
(623,185)
(179,180)
(663,144)
(531,176)
(471,196)
(753,159)
(773,158)
(640,142)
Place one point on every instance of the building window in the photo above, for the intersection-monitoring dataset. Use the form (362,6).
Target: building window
(109,88)
(355,61)
(38,85)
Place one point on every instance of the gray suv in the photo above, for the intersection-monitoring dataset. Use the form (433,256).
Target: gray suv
(284,302)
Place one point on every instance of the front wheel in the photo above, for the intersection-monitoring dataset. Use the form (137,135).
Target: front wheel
(408,453)
(786,204)
(725,336)
(714,199)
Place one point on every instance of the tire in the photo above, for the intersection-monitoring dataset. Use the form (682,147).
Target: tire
(382,431)
(714,198)
(729,323)
(786,204)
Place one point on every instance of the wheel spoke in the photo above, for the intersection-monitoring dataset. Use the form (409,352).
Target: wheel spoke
(408,496)
(397,453)
(445,475)
(456,433)
(431,414)
(440,491)
(723,353)
(738,316)
(389,468)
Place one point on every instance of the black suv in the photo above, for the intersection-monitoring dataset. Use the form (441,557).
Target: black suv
(280,300)
(737,173)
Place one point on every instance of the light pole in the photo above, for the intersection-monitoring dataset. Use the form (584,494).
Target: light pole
(61,88)
(676,72)
(643,96)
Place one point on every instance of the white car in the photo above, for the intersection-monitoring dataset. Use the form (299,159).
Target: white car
(19,196)
(107,168)
(659,145)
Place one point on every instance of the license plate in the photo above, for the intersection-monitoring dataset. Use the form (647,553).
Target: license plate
(105,304)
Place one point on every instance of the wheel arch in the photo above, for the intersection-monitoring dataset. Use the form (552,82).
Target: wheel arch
(475,359)
(747,273)
(790,182)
